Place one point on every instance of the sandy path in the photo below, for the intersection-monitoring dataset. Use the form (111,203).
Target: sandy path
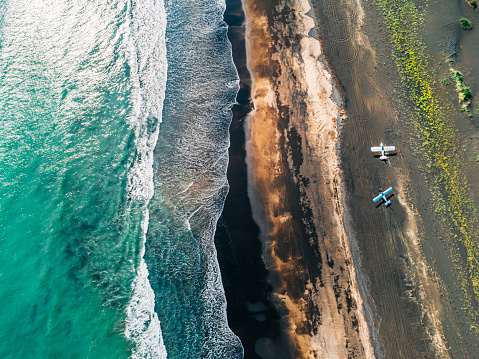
(404,296)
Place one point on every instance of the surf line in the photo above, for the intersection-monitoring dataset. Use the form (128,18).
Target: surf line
(298,108)
(149,83)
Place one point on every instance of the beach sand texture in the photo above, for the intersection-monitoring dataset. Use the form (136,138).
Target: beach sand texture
(304,130)
(414,291)
(403,295)
(295,183)
(339,276)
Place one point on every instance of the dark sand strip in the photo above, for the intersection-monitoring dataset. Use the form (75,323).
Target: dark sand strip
(251,313)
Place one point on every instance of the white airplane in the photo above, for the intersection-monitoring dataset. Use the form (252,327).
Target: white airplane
(383,150)
(382,195)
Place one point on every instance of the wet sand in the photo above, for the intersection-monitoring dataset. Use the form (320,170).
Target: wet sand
(251,313)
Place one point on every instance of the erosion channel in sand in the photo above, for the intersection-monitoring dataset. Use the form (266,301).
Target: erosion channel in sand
(295,184)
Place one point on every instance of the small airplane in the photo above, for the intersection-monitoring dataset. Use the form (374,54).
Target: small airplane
(382,195)
(383,150)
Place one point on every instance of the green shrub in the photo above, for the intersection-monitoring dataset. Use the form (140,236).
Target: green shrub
(466,94)
(466,24)
(472,3)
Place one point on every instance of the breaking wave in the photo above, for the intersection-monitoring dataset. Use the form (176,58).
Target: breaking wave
(146,31)
(190,163)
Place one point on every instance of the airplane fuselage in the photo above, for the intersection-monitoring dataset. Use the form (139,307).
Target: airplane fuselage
(386,202)
(382,196)
(383,152)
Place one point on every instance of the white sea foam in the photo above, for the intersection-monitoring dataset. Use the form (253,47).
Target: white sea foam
(145,32)
(143,325)
(190,182)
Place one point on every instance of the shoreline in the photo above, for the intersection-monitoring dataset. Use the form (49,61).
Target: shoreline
(252,315)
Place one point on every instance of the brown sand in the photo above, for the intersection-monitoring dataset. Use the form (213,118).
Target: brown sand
(251,313)
(295,183)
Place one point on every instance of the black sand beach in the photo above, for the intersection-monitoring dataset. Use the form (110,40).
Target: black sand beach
(414,294)
(380,231)
(294,185)
(361,57)
(251,314)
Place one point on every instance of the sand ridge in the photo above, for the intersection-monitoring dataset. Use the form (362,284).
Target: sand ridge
(293,136)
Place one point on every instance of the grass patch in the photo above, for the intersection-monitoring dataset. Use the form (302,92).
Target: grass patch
(473,158)
(464,93)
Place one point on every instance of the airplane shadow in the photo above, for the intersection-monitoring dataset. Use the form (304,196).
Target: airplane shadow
(389,155)
(382,202)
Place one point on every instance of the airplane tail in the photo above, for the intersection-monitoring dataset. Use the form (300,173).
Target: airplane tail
(383,158)
(388,203)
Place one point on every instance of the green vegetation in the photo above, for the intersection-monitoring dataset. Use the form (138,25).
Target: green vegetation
(437,134)
(466,24)
(473,158)
(472,3)
(464,93)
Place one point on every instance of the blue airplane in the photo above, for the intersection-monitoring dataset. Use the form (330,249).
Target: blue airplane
(382,195)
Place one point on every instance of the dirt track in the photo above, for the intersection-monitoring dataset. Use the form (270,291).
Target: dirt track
(408,300)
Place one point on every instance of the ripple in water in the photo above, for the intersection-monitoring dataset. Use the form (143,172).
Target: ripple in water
(81,90)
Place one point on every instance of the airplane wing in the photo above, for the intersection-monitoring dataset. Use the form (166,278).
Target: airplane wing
(377,198)
(376,149)
(389,190)
(389,148)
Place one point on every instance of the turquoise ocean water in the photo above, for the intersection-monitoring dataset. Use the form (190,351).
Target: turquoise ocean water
(84,86)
